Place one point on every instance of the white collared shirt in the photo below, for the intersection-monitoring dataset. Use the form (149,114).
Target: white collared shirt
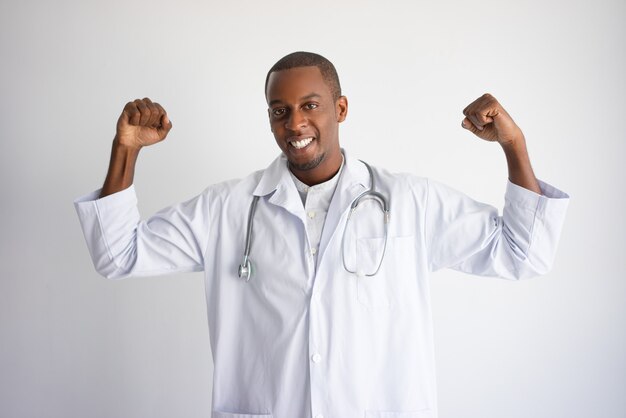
(316,200)
(300,341)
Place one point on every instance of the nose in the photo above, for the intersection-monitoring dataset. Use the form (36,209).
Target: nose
(296,121)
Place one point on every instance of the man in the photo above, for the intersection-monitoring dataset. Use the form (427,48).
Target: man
(334,319)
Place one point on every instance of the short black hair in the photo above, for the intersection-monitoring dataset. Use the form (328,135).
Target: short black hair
(309,59)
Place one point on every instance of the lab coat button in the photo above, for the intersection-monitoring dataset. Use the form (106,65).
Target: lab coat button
(311,214)
(313,251)
(316,358)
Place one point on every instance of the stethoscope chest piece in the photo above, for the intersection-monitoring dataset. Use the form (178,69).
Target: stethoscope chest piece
(245,269)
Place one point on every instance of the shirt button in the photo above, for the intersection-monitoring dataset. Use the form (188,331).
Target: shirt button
(311,214)
(316,358)
(313,251)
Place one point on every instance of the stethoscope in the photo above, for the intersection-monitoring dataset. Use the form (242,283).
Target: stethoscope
(245,268)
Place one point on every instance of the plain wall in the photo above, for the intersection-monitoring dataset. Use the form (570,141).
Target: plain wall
(74,344)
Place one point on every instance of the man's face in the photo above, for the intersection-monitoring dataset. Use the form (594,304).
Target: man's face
(305,119)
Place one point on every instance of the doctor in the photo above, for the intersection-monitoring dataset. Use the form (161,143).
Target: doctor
(335,319)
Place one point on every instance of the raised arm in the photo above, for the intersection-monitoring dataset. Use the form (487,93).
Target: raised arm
(487,119)
(120,243)
(142,123)
(473,237)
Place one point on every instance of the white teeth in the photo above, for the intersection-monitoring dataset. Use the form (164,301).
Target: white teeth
(302,143)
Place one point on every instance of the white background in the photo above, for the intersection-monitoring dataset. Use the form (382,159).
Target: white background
(76,345)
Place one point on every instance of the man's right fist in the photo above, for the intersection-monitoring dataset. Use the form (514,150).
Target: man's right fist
(142,123)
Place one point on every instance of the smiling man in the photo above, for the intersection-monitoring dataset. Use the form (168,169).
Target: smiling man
(305,109)
(316,268)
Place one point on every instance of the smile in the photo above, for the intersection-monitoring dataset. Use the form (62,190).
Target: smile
(301,143)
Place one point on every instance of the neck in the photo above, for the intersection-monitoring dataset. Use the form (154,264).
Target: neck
(325,171)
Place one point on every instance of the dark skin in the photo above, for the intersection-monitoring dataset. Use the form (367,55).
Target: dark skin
(488,120)
(142,123)
(301,107)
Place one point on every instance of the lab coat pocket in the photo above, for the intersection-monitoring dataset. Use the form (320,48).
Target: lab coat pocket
(424,413)
(382,289)
(218,414)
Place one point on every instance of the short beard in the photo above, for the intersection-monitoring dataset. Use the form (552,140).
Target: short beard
(308,165)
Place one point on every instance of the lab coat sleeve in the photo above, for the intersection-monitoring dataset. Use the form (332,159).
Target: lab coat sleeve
(472,237)
(122,245)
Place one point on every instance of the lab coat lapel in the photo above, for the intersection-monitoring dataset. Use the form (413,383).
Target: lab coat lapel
(353,181)
(276,179)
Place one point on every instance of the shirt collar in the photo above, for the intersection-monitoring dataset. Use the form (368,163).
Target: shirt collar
(277,175)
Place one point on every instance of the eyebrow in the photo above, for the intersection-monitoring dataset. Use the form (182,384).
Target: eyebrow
(307,97)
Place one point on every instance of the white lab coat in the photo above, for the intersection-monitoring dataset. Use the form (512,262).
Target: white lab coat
(305,340)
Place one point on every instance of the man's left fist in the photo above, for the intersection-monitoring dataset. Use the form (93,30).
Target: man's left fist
(488,120)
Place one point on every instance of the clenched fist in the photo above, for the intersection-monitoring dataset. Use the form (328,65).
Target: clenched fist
(142,123)
(488,120)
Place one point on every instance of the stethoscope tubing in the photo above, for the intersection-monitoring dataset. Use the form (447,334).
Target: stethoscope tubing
(245,268)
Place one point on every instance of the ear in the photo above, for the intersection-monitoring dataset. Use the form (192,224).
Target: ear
(269,118)
(341,108)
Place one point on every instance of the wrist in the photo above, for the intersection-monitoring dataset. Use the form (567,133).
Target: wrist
(519,168)
(121,149)
(514,146)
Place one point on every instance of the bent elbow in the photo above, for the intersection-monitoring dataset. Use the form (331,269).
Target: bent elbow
(112,268)
(112,272)
(532,266)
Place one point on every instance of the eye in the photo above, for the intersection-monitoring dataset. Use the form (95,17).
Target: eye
(278,112)
(310,106)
